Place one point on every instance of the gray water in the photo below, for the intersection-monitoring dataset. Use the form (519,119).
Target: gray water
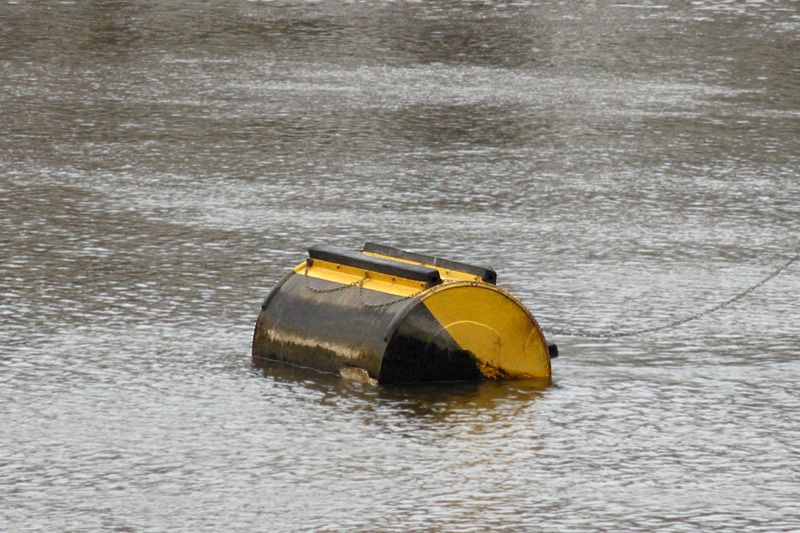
(622,165)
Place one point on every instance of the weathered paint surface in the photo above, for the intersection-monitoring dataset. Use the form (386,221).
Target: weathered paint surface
(325,326)
(491,324)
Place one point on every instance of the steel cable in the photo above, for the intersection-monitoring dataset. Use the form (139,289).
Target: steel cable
(677,323)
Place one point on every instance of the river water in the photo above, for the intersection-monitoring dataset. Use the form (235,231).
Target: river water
(622,165)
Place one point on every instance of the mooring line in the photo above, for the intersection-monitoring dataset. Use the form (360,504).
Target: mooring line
(677,323)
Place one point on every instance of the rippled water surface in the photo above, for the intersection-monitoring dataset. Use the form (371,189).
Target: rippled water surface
(622,165)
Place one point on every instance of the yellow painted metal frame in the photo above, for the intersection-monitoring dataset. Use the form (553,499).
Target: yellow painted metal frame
(347,275)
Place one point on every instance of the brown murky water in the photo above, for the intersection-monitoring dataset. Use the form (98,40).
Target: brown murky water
(621,165)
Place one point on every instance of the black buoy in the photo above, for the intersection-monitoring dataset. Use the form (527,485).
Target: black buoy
(393,316)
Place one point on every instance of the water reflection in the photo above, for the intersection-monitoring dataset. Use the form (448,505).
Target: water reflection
(432,403)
